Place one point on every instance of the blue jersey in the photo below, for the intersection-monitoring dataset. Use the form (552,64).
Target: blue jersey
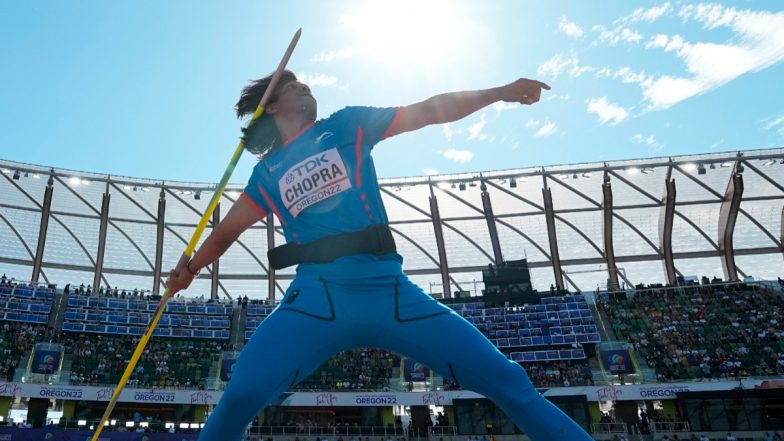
(322,181)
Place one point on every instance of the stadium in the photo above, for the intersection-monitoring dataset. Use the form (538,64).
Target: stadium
(643,297)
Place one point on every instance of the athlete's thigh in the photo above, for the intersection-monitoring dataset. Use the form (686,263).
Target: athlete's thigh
(297,337)
(433,334)
(437,336)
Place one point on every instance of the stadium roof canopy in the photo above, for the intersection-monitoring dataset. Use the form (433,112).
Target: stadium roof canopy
(580,226)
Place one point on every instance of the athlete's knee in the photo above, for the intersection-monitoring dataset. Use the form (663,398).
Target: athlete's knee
(511,382)
(515,374)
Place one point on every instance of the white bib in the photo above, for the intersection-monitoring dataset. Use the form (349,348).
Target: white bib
(317,178)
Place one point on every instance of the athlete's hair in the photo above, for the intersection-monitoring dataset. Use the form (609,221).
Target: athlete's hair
(261,136)
(252,93)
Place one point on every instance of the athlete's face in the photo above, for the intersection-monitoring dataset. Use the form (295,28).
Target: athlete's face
(295,98)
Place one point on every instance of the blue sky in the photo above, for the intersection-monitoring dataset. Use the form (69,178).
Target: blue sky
(146,88)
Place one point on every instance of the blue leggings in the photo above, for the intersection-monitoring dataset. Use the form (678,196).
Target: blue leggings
(319,317)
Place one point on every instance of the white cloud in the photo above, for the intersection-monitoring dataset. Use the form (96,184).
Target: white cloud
(475,130)
(447,131)
(711,15)
(317,80)
(757,43)
(647,15)
(555,65)
(556,96)
(427,171)
(675,44)
(648,141)
(627,75)
(459,156)
(659,40)
(570,28)
(607,111)
(340,54)
(547,129)
(639,138)
(501,106)
(666,91)
(776,122)
(630,35)
(617,35)
(603,72)
(563,63)
(485,137)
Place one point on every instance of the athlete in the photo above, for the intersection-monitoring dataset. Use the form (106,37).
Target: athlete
(318,179)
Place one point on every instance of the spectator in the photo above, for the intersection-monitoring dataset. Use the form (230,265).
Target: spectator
(713,331)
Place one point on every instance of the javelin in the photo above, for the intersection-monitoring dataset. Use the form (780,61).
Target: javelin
(194,239)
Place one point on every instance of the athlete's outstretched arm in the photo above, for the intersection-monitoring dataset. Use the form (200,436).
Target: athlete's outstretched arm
(453,106)
(239,218)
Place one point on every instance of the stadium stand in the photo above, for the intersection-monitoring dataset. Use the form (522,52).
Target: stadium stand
(165,363)
(130,316)
(101,328)
(16,338)
(256,313)
(365,369)
(704,331)
(709,332)
(557,323)
(25,302)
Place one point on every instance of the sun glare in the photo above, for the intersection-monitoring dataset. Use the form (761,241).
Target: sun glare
(408,33)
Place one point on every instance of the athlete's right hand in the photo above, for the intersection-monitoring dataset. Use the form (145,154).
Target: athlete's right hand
(179,278)
(523,91)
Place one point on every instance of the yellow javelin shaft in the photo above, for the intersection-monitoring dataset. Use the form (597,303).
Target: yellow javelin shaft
(194,240)
(230,169)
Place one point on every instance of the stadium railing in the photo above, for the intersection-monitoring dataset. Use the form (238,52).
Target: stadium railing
(256,432)
(670,426)
(609,428)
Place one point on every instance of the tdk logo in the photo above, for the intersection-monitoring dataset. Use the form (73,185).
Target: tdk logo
(310,164)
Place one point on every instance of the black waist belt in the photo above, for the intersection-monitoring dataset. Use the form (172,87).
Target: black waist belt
(376,239)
